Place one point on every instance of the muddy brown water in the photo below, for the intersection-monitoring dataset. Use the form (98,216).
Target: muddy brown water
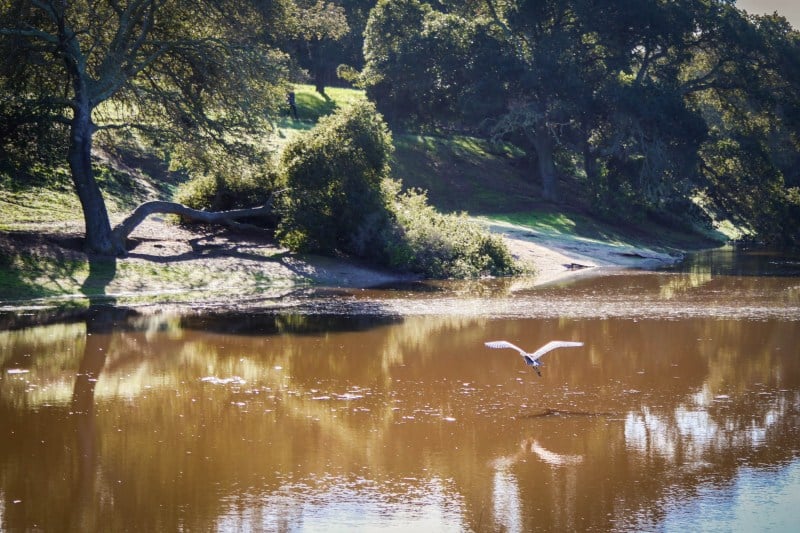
(383,410)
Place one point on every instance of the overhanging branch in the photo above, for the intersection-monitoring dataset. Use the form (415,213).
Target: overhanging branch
(227,218)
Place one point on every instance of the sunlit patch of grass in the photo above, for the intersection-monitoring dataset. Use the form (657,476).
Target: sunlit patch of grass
(462,173)
(574,226)
(721,228)
(311,106)
(730,230)
(121,191)
(39,195)
(465,146)
(44,205)
(549,222)
(559,224)
(460,145)
(28,276)
(42,195)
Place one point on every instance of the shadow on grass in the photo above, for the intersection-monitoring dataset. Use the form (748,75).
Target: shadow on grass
(32,268)
(463,174)
(312,106)
(28,276)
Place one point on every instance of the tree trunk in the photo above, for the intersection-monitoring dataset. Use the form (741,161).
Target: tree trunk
(590,164)
(319,82)
(544,147)
(99,237)
(320,71)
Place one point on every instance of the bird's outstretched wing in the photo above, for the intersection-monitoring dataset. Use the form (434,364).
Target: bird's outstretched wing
(505,344)
(552,345)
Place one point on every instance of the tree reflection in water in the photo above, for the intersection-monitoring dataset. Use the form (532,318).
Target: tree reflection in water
(375,423)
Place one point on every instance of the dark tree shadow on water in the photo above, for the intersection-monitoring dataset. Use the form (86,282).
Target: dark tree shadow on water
(101,321)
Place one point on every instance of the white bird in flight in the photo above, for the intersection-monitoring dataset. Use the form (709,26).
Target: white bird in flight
(532,359)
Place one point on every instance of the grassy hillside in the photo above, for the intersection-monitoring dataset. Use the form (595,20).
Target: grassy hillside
(460,173)
(128,175)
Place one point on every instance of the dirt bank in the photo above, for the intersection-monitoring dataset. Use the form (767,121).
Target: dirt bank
(559,255)
(213,264)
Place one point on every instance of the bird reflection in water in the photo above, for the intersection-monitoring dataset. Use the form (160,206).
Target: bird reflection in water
(507,504)
(531,445)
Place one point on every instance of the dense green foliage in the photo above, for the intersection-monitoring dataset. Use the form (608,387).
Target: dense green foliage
(443,246)
(225,191)
(327,35)
(190,76)
(645,109)
(340,199)
(334,175)
(650,104)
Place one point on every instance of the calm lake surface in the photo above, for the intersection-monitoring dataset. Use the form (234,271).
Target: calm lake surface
(382,410)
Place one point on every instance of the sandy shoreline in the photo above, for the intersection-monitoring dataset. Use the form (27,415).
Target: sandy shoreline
(557,256)
(554,257)
(206,264)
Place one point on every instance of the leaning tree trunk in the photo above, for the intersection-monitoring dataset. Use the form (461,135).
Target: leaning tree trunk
(227,218)
(99,237)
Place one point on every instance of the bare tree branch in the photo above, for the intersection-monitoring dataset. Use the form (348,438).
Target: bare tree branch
(227,218)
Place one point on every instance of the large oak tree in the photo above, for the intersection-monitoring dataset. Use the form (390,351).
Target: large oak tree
(192,71)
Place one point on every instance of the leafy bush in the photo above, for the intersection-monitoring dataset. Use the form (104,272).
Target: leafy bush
(225,190)
(333,174)
(444,246)
(340,199)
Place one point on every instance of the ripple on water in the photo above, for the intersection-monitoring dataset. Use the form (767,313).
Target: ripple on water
(350,503)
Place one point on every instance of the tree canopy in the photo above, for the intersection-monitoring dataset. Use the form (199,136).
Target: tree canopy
(189,72)
(649,107)
(654,104)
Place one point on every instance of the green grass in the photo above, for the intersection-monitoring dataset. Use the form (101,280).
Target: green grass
(40,195)
(554,223)
(547,221)
(33,276)
(28,276)
(460,173)
(57,203)
(311,106)
(463,173)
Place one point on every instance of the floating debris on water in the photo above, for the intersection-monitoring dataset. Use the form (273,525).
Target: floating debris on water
(223,381)
(349,396)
